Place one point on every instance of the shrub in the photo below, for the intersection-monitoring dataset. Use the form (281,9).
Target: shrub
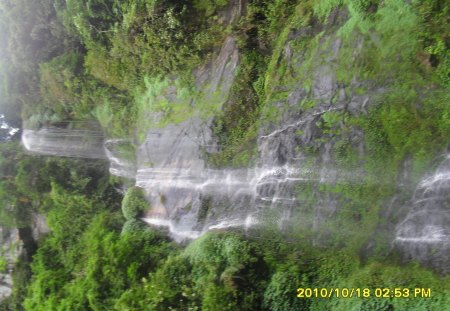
(280,294)
(133,226)
(134,203)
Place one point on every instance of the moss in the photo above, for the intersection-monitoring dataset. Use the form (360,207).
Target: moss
(236,125)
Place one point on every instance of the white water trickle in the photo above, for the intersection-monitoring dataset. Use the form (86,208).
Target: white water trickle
(424,233)
(177,233)
(234,192)
(428,234)
(189,198)
(122,161)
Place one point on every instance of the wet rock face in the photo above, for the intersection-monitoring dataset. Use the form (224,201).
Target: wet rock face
(217,76)
(419,227)
(232,12)
(182,189)
(39,226)
(11,248)
(424,233)
(301,139)
(171,167)
(299,127)
(296,161)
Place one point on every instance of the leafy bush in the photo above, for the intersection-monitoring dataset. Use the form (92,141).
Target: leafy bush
(133,226)
(280,294)
(380,275)
(94,270)
(170,287)
(128,40)
(134,203)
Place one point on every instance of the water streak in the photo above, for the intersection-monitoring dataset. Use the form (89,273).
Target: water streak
(76,143)
(86,141)
(424,234)
(190,202)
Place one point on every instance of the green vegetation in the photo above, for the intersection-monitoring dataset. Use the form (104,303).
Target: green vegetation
(92,260)
(58,188)
(228,271)
(106,263)
(134,203)
(378,49)
(15,204)
(3,264)
(133,65)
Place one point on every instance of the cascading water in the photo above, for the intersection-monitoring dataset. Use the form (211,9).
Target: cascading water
(181,198)
(189,198)
(85,141)
(424,234)
(121,156)
(82,139)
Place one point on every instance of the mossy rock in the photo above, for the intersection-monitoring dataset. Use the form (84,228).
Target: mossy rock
(134,203)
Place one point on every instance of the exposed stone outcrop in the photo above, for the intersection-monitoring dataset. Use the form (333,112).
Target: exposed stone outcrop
(11,248)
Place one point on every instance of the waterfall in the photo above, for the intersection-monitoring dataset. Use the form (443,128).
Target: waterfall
(189,198)
(181,198)
(81,142)
(424,233)
(82,139)
(121,155)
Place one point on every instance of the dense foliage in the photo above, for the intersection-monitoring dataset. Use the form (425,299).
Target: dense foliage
(134,203)
(119,61)
(220,271)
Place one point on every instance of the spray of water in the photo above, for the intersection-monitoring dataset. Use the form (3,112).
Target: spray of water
(121,156)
